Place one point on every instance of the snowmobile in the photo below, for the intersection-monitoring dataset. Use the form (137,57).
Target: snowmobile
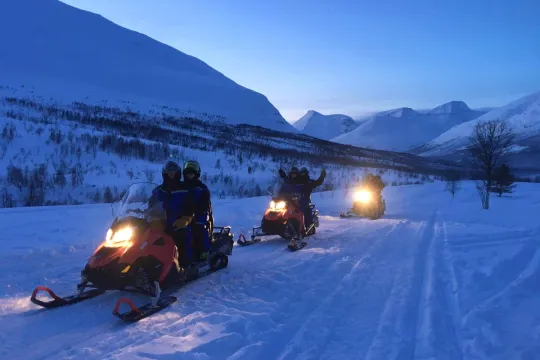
(284,217)
(137,255)
(367,203)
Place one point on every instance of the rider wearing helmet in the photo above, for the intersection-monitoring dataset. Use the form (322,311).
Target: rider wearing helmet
(173,194)
(203,222)
(375,183)
(308,185)
(292,178)
(304,186)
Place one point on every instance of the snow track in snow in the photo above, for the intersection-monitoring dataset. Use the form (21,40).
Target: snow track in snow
(427,281)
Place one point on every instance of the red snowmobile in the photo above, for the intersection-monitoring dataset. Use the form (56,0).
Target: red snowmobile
(284,217)
(139,256)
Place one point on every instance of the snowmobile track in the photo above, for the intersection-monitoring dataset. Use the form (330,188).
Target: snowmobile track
(310,335)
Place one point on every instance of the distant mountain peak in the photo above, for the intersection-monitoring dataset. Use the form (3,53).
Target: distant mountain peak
(315,124)
(399,112)
(452,107)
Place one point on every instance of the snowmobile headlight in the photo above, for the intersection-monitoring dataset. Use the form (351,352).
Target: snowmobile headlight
(363,196)
(280,205)
(109,235)
(120,238)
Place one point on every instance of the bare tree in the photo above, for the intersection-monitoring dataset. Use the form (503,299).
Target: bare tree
(149,175)
(452,184)
(488,143)
(7,199)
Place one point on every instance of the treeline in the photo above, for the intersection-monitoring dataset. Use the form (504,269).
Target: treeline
(249,141)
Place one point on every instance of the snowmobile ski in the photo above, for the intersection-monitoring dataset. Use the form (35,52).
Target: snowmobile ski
(242,241)
(59,301)
(297,246)
(137,313)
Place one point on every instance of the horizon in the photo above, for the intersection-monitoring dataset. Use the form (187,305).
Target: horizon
(325,66)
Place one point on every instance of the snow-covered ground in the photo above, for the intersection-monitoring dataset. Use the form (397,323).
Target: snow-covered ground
(435,278)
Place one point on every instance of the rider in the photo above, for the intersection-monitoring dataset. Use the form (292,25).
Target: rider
(291,182)
(179,208)
(304,186)
(308,185)
(203,222)
(293,176)
(375,183)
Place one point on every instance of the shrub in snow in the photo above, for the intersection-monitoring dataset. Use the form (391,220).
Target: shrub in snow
(503,180)
(452,183)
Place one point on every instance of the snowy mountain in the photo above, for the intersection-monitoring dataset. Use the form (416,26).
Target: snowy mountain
(325,127)
(74,55)
(404,128)
(523,115)
(79,153)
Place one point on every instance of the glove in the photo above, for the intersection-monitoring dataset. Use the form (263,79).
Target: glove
(281,172)
(323,172)
(182,222)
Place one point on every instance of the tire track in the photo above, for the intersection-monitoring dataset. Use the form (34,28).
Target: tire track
(415,313)
(300,337)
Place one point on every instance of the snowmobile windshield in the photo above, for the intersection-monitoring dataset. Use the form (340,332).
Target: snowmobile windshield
(141,201)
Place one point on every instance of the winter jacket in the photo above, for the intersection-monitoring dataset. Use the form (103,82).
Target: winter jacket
(200,197)
(176,201)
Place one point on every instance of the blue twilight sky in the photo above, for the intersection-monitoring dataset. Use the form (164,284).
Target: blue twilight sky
(351,56)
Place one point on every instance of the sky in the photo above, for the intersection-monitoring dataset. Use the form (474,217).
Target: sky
(351,56)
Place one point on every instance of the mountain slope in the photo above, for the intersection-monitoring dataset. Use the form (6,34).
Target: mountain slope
(325,127)
(404,128)
(72,54)
(523,115)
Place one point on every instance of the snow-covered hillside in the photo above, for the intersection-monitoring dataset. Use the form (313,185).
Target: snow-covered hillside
(73,55)
(435,278)
(53,153)
(523,115)
(403,129)
(325,127)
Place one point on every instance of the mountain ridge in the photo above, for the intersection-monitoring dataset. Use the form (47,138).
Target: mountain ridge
(74,54)
(315,124)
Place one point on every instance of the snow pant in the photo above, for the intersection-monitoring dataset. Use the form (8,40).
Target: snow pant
(305,204)
(200,231)
(182,239)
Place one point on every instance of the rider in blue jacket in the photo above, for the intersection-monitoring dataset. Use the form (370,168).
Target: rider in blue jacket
(203,222)
(179,208)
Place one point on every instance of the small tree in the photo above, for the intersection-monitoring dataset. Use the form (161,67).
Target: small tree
(7,199)
(488,143)
(149,175)
(60,178)
(108,196)
(15,176)
(503,180)
(452,184)
(36,187)
(77,175)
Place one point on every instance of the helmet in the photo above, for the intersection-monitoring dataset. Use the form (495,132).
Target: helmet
(171,171)
(192,167)
(170,166)
(304,171)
